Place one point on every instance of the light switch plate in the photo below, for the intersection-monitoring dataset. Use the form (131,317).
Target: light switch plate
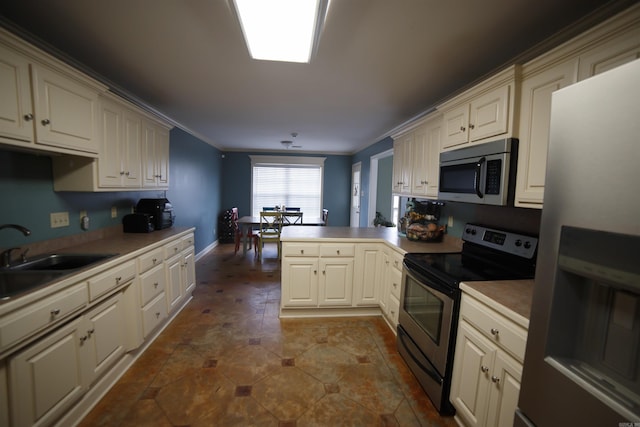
(114,212)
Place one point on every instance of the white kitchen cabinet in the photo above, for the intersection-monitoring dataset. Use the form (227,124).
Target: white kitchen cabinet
(155,152)
(402,163)
(487,365)
(335,281)
(535,119)
(426,158)
(179,271)
(610,54)
(44,109)
(367,274)
(16,111)
(299,282)
(480,113)
(391,286)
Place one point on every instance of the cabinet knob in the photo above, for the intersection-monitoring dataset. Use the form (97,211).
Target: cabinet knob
(127,173)
(28,117)
(462,128)
(484,369)
(495,379)
(90,332)
(494,331)
(315,271)
(301,251)
(338,252)
(121,172)
(55,312)
(157,315)
(471,126)
(155,285)
(83,339)
(118,279)
(155,260)
(45,122)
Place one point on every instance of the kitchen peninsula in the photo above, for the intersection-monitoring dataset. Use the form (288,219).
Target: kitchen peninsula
(347,271)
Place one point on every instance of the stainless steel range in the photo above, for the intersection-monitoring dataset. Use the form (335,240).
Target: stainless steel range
(430,298)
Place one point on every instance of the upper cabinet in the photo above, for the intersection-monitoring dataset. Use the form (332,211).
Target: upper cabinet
(45,109)
(484,111)
(155,154)
(402,163)
(604,47)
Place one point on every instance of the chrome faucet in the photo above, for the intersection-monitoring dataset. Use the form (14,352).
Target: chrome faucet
(5,256)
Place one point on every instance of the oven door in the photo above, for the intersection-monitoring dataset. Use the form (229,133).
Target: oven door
(427,314)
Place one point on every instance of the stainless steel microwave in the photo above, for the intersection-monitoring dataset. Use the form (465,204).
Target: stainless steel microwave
(483,173)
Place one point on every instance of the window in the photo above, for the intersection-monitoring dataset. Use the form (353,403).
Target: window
(290,181)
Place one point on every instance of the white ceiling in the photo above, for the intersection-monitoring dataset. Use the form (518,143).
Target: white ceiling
(379,62)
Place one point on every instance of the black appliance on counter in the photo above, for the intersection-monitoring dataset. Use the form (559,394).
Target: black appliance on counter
(159,210)
(430,299)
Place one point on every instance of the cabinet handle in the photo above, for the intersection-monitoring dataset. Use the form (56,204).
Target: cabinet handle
(495,379)
(324,272)
(338,251)
(121,173)
(494,331)
(315,271)
(127,173)
(118,279)
(395,285)
(28,117)
(45,122)
(484,369)
(155,285)
(155,260)
(157,315)
(471,126)
(55,312)
(83,339)
(301,251)
(90,332)
(462,128)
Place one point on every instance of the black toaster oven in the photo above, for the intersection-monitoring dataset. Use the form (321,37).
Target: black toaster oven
(160,212)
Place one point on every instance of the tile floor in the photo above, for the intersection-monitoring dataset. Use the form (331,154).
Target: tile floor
(228,360)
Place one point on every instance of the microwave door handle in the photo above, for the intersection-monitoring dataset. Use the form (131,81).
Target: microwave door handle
(478,175)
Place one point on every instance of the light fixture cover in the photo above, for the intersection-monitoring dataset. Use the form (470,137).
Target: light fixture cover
(281,30)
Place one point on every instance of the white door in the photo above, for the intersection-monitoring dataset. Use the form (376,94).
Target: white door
(355,194)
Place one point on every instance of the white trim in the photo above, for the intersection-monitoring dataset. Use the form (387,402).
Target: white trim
(206,250)
(286,160)
(373,184)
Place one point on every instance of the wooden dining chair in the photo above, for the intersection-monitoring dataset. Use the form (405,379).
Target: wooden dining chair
(270,229)
(292,217)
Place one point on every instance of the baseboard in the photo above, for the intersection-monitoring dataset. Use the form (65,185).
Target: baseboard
(206,250)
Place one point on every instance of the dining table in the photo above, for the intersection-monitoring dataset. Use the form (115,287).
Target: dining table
(247,223)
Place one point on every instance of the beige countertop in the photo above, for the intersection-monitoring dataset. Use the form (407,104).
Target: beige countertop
(509,297)
(358,234)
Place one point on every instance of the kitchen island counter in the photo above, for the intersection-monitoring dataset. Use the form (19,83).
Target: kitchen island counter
(364,235)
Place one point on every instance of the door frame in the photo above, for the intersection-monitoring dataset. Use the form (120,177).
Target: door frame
(356,167)
(373,184)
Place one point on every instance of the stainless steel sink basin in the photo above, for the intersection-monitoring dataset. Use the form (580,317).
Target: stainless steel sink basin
(26,276)
(58,262)
(16,282)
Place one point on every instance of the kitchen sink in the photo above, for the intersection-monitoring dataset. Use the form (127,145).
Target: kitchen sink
(57,262)
(40,271)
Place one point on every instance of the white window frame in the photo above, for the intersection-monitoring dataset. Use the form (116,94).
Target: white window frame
(287,161)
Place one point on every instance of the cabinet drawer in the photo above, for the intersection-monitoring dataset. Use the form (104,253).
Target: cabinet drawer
(150,259)
(152,283)
(499,329)
(187,241)
(111,279)
(29,320)
(300,249)
(395,277)
(393,309)
(154,314)
(173,248)
(395,259)
(338,250)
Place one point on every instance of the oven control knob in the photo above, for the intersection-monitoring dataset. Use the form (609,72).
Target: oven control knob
(468,231)
(527,244)
(518,243)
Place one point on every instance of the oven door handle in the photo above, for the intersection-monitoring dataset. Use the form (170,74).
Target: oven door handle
(476,184)
(429,370)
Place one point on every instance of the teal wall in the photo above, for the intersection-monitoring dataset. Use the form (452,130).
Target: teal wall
(236,191)
(26,185)
(384,191)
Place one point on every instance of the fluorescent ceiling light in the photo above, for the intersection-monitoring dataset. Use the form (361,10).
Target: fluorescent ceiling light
(281,30)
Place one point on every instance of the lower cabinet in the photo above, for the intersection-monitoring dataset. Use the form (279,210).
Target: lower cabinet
(391,286)
(487,366)
(368,274)
(48,377)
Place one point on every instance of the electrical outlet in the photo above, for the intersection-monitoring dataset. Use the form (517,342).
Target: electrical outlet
(450,222)
(59,219)
(114,212)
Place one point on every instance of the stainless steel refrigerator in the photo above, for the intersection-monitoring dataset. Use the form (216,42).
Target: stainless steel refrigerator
(582,361)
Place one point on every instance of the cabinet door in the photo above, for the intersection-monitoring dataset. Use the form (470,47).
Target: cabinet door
(367,281)
(66,112)
(505,390)
(398,158)
(434,134)
(612,54)
(456,127)
(535,120)
(162,157)
(16,112)
(299,282)
(407,164)
(420,154)
(110,168)
(474,358)
(489,114)
(188,272)
(131,158)
(174,282)
(336,281)
(45,379)
(105,336)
